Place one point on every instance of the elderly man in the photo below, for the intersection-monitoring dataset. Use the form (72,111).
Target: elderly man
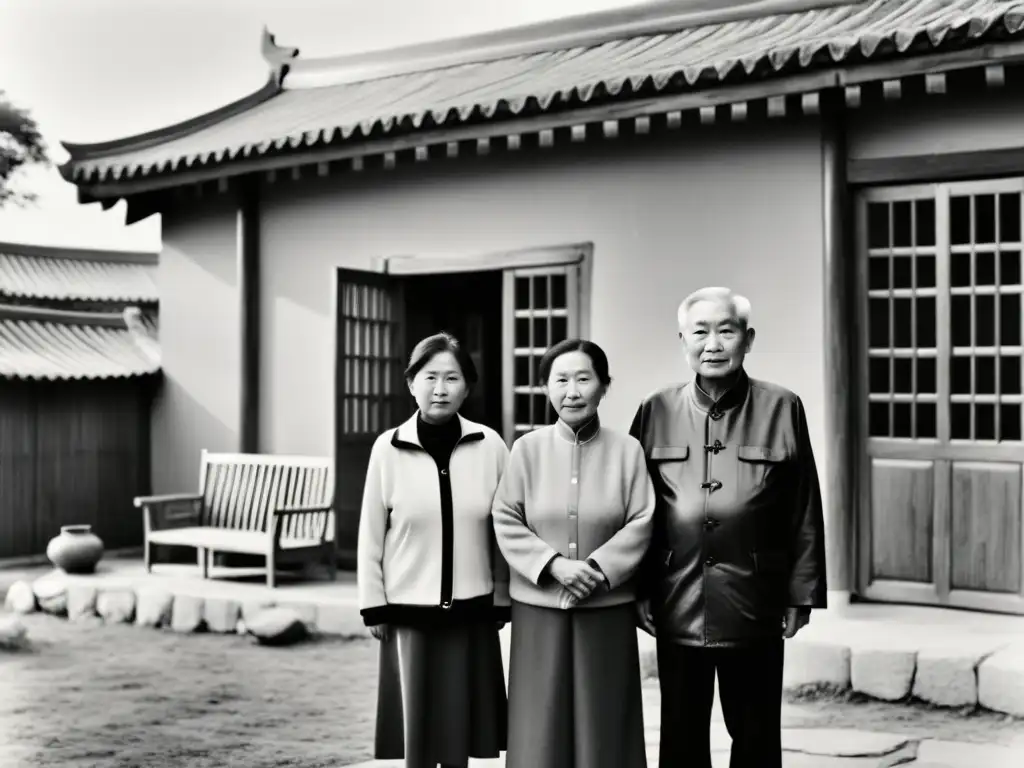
(737,561)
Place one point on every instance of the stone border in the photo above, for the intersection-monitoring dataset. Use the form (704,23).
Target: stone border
(984,673)
(159,608)
(988,674)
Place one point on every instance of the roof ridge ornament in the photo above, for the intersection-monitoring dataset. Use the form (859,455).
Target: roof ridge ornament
(276,56)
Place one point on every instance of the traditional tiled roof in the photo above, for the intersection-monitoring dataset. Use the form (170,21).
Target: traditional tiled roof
(548,68)
(45,272)
(52,344)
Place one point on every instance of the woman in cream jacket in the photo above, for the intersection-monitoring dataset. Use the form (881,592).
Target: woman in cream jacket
(432,587)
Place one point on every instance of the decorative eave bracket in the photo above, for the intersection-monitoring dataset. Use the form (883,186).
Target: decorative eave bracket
(276,56)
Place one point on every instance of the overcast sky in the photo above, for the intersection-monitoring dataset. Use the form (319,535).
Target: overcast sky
(92,70)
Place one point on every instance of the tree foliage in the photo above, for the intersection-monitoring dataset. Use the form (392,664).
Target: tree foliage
(21,144)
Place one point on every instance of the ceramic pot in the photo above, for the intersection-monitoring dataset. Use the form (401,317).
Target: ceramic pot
(76,550)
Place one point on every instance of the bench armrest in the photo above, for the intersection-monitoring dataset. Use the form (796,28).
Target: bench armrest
(302,510)
(175,510)
(167,498)
(283,513)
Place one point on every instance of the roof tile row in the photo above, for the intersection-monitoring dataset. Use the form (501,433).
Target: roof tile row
(697,57)
(40,344)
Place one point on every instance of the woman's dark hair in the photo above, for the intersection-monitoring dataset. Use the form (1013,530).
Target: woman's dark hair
(424,352)
(596,354)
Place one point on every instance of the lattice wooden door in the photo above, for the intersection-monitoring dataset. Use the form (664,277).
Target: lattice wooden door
(369,386)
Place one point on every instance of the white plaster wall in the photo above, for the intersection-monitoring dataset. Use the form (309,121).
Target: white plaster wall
(198,406)
(733,206)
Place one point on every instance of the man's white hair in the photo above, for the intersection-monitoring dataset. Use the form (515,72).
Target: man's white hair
(739,305)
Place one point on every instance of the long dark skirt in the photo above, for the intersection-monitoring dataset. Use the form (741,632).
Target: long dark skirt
(575,699)
(441,694)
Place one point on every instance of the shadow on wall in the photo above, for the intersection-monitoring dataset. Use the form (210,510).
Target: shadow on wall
(182,428)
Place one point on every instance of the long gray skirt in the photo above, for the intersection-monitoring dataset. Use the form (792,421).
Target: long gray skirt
(441,694)
(575,699)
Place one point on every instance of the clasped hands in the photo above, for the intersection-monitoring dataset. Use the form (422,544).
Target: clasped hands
(578,577)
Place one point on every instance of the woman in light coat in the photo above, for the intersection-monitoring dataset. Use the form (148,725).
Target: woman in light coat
(573,517)
(432,587)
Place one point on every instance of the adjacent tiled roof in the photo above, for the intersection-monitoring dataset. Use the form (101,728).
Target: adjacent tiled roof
(49,344)
(43,272)
(698,57)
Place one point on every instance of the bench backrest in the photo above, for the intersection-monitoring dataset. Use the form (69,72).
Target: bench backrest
(241,490)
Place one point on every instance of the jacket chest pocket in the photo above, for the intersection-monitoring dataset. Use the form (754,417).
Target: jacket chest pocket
(758,466)
(671,462)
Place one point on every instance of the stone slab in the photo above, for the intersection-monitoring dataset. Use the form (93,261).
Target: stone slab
(221,615)
(153,607)
(51,593)
(839,742)
(811,662)
(13,634)
(187,613)
(1001,681)
(251,608)
(883,673)
(306,611)
(957,754)
(20,598)
(947,676)
(116,606)
(81,601)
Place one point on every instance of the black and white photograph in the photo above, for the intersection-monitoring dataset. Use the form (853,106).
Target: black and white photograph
(523,384)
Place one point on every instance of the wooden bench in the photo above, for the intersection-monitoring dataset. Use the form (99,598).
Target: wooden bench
(276,506)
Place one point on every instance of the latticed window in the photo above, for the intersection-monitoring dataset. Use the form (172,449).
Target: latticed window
(944,312)
(544,307)
(370,364)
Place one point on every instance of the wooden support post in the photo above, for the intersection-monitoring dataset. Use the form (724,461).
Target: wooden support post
(248,250)
(840,396)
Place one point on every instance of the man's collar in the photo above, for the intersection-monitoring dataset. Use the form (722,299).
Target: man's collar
(584,434)
(733,397)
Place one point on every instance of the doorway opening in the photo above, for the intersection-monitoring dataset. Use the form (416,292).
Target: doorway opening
(467,305)
(507,309)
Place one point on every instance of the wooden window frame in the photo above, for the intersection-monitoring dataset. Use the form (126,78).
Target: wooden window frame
(943,445)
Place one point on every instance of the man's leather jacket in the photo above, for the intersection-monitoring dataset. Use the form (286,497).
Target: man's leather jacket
(739,535)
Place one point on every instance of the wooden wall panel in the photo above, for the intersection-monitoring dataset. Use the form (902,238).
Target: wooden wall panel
(17,485)
(72,452)
(902,519)
(986,527)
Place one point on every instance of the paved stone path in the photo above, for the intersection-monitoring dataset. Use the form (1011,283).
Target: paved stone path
(822,748)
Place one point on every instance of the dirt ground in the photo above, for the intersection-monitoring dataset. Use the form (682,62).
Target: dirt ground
(120,697)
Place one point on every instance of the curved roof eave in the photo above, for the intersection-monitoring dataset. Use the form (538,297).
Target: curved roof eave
(835,35)
(80,152)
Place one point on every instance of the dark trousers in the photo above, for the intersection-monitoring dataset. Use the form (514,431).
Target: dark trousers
(750,687)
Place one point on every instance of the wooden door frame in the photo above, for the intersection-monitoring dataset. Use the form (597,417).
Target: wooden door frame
(940,592)
(401,266)
(537,257)
(499,261)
